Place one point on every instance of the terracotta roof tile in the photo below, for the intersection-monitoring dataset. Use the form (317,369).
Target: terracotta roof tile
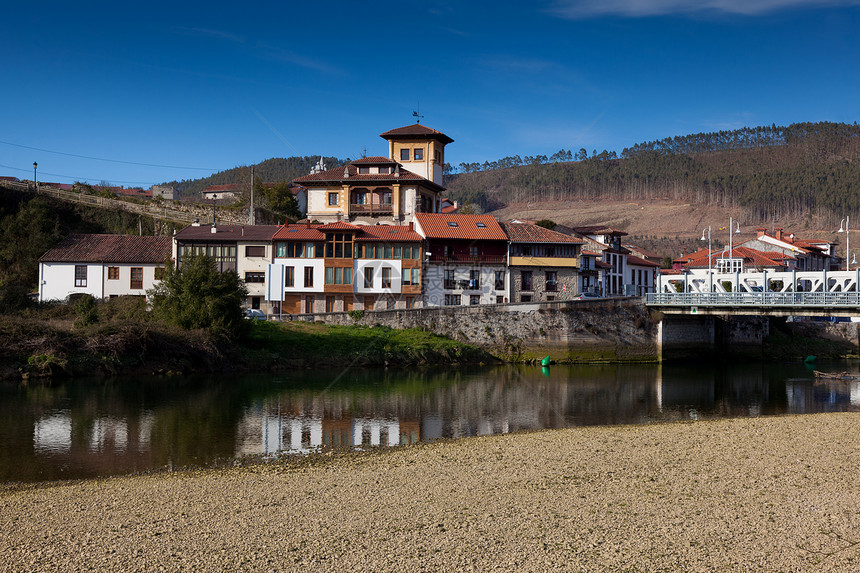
(393,233)
(299,232)
(339,226)
(109,249)
(529,233)
(457,226)
(336,176)
(640,262)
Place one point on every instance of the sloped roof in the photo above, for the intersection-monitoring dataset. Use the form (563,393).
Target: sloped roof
(374,160)
(109,249)
(339,226)
(388,233)
(632,260)
(753,256)
(457,226)
(530,233)
(227,233)
(299,232)
(230,187)
(353,177)
(416,131)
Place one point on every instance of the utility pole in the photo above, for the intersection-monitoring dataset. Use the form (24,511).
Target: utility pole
(251,218)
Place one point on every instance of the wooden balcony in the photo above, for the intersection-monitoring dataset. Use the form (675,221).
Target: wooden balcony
(371,209)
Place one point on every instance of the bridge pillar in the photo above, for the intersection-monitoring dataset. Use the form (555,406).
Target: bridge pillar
(681,337)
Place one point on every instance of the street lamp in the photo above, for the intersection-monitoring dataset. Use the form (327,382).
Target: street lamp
(710,276)
(35,181)
(844,229)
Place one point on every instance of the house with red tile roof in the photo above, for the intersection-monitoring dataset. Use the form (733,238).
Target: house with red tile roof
(339,267)
(466,261)
(809,255)
(102,266)
(385,190)
(244,249)
(543,265)
(744,259)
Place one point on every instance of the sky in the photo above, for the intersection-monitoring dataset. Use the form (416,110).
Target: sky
(139,93)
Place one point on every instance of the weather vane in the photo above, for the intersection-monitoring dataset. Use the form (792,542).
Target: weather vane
(417,115)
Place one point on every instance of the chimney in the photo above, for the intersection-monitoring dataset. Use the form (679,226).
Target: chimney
(411,226)
(308,223)
(214,229)
(779,233)
(760,232)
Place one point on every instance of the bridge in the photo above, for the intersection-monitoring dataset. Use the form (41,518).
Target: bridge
(793,293)
(714,313)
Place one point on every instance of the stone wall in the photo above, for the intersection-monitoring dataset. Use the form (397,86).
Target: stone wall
(587,331)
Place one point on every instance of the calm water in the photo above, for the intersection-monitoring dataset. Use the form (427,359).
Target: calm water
(93,428)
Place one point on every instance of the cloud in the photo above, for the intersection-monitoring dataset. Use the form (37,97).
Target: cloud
(209,33)
(581,9)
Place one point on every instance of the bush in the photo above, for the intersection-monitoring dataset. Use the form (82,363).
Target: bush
(196,295)
(85,311)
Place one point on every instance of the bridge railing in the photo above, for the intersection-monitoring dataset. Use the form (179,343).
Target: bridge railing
(756,299)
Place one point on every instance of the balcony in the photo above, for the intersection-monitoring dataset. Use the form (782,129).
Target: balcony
(469,259)
(371,209)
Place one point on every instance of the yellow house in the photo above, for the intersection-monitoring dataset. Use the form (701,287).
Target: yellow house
(387,190)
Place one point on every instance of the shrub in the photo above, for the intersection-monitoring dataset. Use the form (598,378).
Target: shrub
(85,310)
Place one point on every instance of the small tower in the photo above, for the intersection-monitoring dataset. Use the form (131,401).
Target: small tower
(419,149)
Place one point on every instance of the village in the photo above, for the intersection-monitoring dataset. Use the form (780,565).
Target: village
(379,234)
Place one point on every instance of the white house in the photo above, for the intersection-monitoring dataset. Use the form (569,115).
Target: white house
(102,266)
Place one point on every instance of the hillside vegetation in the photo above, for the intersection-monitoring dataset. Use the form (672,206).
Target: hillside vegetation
(768,172)
(269,171)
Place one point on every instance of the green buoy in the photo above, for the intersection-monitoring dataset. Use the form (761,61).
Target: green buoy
(810,359)
(545,361)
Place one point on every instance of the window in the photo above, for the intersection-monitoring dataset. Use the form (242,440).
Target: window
(410,302)
(159,273)
(449,279)
(338,276)
(309,304)
(452,300)
(385,170)
(474,299)
(474,279)
(368,277)
(526,298)
(136,277)
(404,155)
(256,251)
(526,281)
(500,299)
(500,280)
(386,277)
(550,251)
(332,198)
(290,276)
(480,225)
(390,304)
(309,277)
(280,250)
(527,250)
(419,154)
(255,277)
(329,304)
(453,224)
(362,171)
(473,251)
(411,277)
(113,273)
(80,275)
(551,281)
(339,246)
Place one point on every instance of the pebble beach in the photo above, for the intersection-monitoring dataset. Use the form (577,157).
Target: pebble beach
(755,494)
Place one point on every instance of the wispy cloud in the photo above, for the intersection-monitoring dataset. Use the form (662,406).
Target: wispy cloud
(290,57)
(209,33)
(581,9)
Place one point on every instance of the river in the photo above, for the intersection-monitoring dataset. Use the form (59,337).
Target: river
(92,428)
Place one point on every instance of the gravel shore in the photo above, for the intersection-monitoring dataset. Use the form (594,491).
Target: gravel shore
(764,494)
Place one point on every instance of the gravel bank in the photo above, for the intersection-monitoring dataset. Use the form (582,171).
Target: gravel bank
(767,494)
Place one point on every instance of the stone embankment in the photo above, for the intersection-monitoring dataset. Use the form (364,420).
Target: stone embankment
(609,330)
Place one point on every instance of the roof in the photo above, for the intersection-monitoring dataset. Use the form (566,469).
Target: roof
(631,260)
(336,175)
(374,160)
(457,226)
(755,257)
(299,232)
(339,226)
(529,233)
(394,233)
(109,249)
(227,233)
(223,188)
(416,131)
(590,254)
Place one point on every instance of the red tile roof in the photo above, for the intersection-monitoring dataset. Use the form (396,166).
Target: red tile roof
(457,226)
(339,226)
(750,256)
(227,233)
(374,160)
(393,233)
(416,131)
(230,187)
(529,233)
(640,262)
(354,177)
(109,249)
(299,232)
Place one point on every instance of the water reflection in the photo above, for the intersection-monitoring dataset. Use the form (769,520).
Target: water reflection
(94,428)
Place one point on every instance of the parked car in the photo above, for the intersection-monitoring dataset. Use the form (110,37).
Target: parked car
(587,296)
(254,314)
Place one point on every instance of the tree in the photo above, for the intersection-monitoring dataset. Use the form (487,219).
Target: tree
(546,224)
(196,295)
(279,198)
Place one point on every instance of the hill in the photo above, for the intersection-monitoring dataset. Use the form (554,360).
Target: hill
(805,177)
(270,170)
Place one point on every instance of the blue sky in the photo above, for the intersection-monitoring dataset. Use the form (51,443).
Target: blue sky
(193,88)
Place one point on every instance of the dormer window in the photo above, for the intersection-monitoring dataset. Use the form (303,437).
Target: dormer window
(363,170)
(384,170)
(453,224)
(481,225)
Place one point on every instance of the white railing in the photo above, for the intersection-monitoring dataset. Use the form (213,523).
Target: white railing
(756,299)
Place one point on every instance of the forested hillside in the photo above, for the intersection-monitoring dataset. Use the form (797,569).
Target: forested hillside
(270,171)
(770,172)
